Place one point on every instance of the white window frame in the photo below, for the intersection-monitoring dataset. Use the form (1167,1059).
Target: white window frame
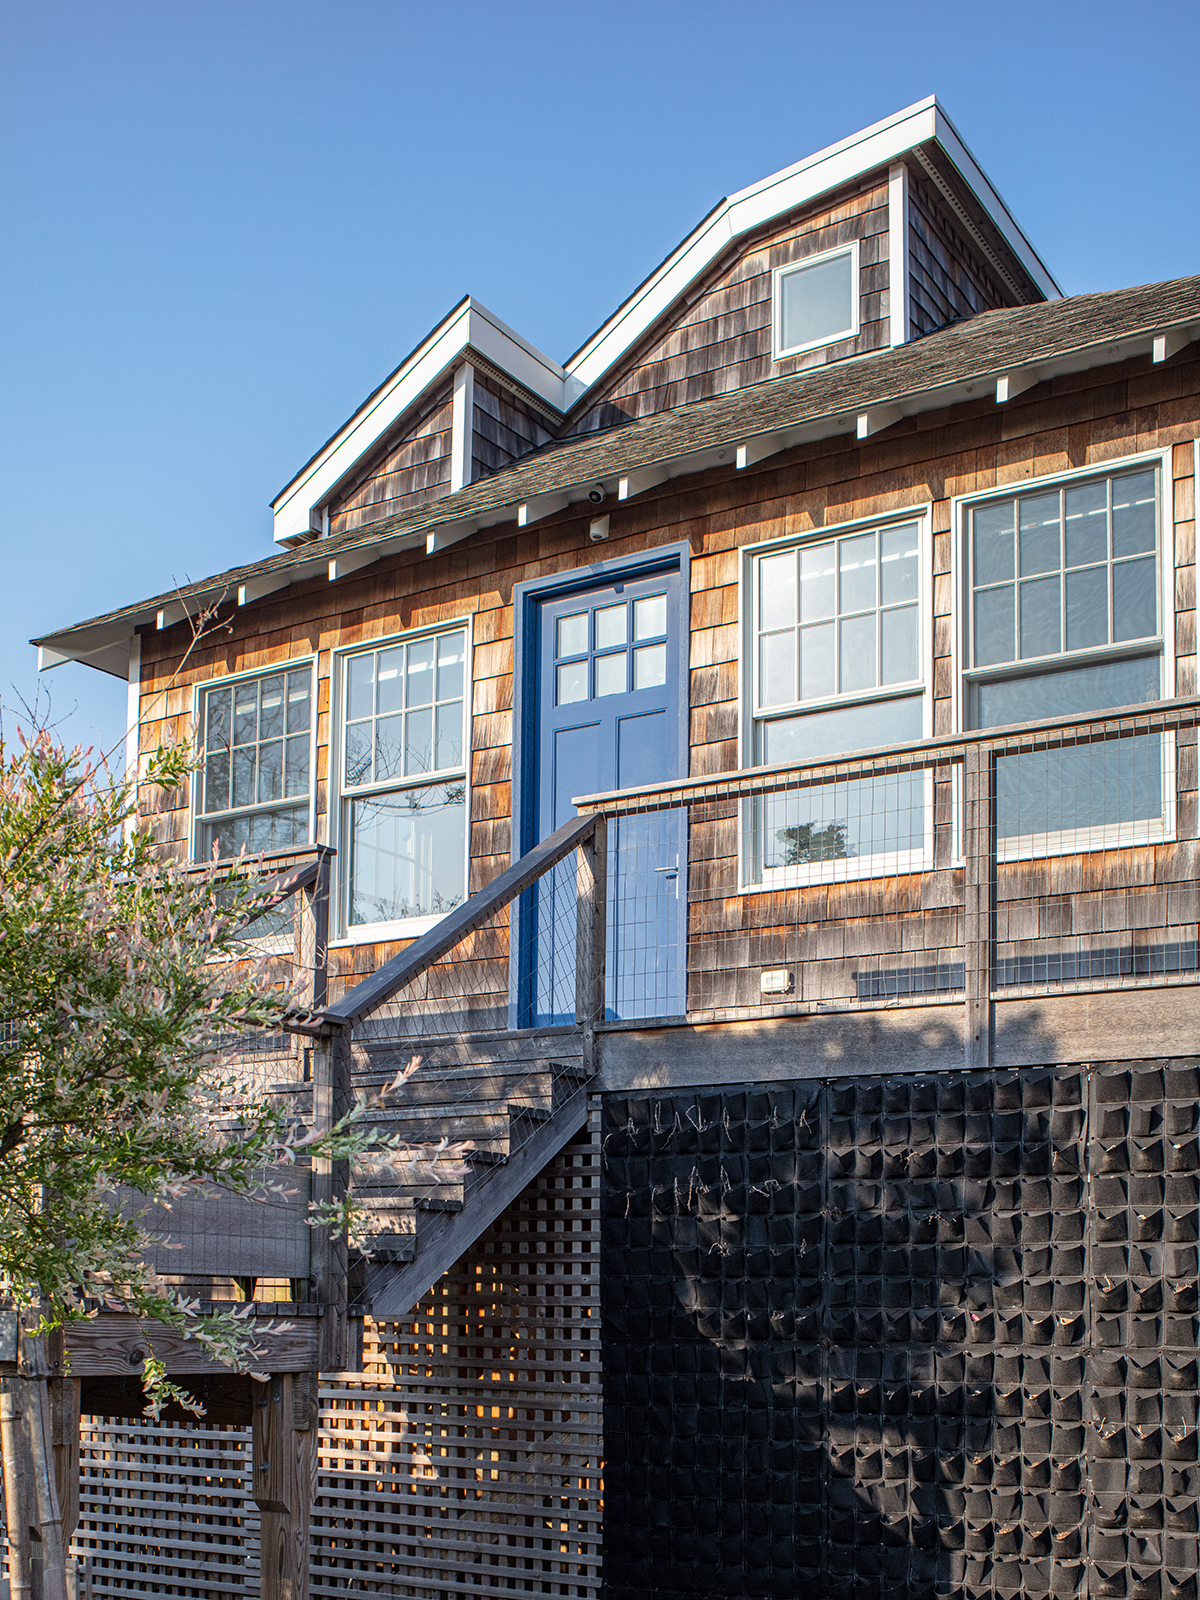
(339,798)
(1104,836)
(778,351)
(199,690)
(852,868)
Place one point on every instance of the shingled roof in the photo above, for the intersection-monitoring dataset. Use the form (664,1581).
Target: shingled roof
(1040,341)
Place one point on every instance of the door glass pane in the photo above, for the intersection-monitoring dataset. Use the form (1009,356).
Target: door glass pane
(898,564)
(610,627)
(1040,542)
(1041,628)
(573,634)
(1133,513)
(817,645)
(857,654)
(389,675)
(1087,608)
(610,674)
(1087,524)
(817,302)
(994,626)
(817,588)
(406,854)
(777,669)
(993,527)
(898,645)
(572,682)
(777,590)
(650,666)
(856,563)
(1135,609)
(650,617)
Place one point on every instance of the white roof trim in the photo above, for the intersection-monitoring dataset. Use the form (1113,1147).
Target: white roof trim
(840,163)
(469,324)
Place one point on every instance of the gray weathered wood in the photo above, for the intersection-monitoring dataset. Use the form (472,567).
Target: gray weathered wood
(446,1234)
(284,1486)
(401,969)
(591,936)
(978,912)
(1109,1025)
(330,1179)
(927,1038)
(113,1344)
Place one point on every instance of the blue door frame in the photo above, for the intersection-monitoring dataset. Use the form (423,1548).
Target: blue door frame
(628,992)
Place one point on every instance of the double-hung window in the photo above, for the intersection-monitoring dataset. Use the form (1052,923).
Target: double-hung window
(837,665)
(1065,617)
(404,779)
(255,761)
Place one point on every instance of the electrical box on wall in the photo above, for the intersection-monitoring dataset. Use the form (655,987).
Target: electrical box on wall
(775,980)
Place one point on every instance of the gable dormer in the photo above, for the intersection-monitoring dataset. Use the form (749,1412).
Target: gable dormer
(882,238)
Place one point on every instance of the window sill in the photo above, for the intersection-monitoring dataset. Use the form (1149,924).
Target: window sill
(389,932)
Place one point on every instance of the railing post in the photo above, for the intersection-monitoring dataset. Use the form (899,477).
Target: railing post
(312,935)
(330,1181)
(979,907)
(591,879)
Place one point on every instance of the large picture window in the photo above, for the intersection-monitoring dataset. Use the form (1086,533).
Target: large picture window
(1065,617)
(836,666)
(404,780)
(255,757)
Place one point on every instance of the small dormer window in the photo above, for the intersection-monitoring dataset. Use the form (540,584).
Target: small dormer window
(816,301)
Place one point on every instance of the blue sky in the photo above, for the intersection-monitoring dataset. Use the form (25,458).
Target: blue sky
(223,224)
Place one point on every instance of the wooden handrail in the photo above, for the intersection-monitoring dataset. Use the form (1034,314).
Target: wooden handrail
(464,919)
(925,752)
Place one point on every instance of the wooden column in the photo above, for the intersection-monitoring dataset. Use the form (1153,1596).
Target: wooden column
(591,883)
(284,1459)
(330,1180)
(979,910)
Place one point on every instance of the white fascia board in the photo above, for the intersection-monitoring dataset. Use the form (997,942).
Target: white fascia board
(877,146)
(947,136)
(469,325)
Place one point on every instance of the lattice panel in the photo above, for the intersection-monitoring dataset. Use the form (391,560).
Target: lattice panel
(463,1460)
(166,1510)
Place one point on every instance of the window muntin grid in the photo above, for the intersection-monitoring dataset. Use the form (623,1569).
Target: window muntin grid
(837,617)
(837,666)
(1056,571)
(255,759)
(403,777)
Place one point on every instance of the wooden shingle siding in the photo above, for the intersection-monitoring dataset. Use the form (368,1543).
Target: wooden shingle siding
(721,340)
(1082,421)
(947,276)
(505,428)
(407,472)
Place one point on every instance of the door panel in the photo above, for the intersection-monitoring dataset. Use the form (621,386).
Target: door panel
(609,717)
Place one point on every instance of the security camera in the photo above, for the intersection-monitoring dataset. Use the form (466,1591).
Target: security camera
(596,493)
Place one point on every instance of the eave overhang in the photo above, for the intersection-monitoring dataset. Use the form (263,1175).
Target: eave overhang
(995,357)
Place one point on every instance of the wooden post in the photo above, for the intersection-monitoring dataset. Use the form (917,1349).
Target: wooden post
(330,1180)
(591,881)
(978,911)
(284,1456)
(14,1446)
(64,1432)
(312,936)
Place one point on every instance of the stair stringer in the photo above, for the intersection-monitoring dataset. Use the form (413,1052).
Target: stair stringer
(443,1236)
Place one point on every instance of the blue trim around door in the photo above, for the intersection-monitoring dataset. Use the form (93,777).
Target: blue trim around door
(526,598)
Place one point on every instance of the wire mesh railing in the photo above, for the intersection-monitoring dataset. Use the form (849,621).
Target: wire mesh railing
(1007,861)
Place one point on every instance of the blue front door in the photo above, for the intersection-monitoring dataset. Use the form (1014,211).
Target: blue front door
(608,717)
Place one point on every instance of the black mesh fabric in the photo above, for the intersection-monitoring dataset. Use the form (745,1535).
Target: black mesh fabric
(903,1337)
